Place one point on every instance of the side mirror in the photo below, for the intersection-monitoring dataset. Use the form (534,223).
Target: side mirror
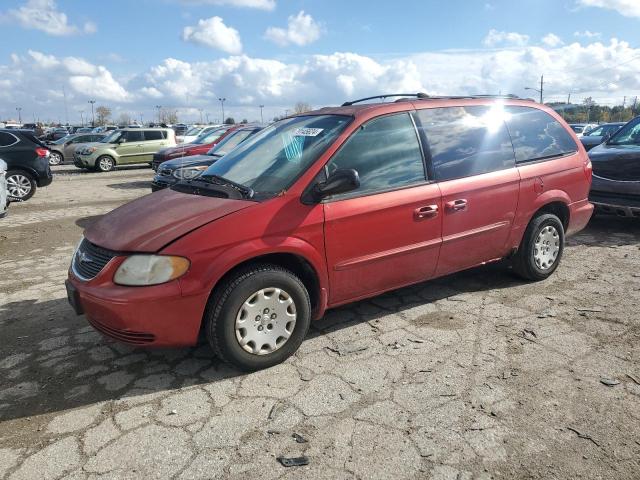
(606,138)
(340,181)
(122,140)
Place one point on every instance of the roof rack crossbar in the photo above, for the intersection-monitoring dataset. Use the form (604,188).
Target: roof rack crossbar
(382,97)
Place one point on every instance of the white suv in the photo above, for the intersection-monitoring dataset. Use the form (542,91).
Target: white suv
(4,202)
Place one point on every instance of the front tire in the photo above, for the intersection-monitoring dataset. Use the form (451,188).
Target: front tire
(541,248)
(258,317)
(20,185)
(104,163)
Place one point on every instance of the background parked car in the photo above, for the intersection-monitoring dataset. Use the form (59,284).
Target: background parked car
(194,132)
(580,128)
(62,150)
(55,134)
(595,136)
(4,201)
(199,146)
(616,172)
(27,163)
(130,145)
(172,171)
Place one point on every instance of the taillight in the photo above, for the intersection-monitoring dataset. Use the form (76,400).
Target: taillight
(42,152)
(588,169)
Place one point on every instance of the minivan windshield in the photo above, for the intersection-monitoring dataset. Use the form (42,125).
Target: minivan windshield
(273,159)
(627,135)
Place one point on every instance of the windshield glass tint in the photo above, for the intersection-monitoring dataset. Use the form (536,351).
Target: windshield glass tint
(230,142)
(627,135)
(209,137)
(113,137)
(273,159)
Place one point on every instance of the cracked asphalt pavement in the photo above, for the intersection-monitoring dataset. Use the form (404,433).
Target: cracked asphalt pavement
(474,376)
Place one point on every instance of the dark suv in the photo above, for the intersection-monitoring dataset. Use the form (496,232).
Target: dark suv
(28,163)
(616,172)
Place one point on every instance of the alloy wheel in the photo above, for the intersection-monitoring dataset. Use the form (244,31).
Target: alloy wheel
(18,185)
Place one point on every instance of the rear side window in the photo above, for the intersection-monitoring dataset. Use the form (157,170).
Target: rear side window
(466,141)
(153,135)
(134,136)
(6,139)
(537,135)
(385,152)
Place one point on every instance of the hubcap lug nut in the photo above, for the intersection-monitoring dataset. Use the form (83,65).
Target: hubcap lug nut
(260,328)
(274,316)
(266,310)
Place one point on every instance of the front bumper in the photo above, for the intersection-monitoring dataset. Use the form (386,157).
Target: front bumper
(84,161)
(155,316)
(616,197)
(160,182)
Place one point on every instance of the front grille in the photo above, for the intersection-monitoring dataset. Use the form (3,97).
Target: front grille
(90,259)
(125,336)
(165,172)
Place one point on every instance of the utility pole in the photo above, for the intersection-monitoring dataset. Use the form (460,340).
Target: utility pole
(19,110)
(93,117)
(261,117)
(82,117)
(159,107)
(633,108)
(141,122)
(222,100)
(624,103)
(200,116)
(66,109)
(541,90)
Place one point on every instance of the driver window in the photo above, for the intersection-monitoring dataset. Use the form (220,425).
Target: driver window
(385,152)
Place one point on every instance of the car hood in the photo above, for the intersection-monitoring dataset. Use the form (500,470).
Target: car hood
(184,147)
(188,161)
(153,221)
(616,162)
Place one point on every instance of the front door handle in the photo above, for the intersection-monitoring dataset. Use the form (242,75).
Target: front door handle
(456,205)
(428,211)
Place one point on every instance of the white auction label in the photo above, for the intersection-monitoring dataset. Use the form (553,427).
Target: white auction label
(307,132)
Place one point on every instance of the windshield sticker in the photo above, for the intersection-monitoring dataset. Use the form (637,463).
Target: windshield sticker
(307,132)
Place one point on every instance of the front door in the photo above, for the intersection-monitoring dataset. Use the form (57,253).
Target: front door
(131,151)
(387,233)
(473,161)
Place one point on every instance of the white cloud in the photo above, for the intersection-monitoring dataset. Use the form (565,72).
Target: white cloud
(552,40)
(587,34)
(212,32)
(301,30)
(628,8)
(258,4)
(44,15)
(605,71)
(499,38)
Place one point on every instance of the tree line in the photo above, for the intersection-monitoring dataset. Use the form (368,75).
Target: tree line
(590,112)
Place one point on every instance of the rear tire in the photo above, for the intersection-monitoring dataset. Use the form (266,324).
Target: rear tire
(541,248)
(105,163)
(20,185)
(55,158)
(263,302)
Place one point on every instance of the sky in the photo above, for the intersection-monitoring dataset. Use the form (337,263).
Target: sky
(131,55)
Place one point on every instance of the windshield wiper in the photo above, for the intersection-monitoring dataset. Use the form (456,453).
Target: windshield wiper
(225,182)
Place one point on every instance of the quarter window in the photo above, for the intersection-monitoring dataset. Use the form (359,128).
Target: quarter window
(153,135)
(537,135)
(6,139)
(385,152)
(466,141)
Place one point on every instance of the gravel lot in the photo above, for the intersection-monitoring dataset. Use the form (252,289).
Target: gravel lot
(476,375)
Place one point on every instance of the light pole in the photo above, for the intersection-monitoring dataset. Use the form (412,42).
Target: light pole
(261,117)
(93,117)
(207,115)
(541,90)
(159,107)
(141,122)
(19,110)
(82,117)
(200,115)
(222,100)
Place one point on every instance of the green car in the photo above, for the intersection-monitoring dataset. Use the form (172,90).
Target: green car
(123,147)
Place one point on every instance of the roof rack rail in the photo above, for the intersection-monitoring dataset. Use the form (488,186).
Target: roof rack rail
(461,97)
(419,95)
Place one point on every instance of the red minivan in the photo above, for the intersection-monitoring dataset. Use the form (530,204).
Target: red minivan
(328,207)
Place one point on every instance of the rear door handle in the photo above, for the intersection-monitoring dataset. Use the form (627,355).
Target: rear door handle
(428,211)
(456,205)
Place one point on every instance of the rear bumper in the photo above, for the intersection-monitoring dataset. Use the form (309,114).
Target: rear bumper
(579,215)
(155,316)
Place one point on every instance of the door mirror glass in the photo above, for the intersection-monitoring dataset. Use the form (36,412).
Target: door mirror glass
(340,181)
(606,138)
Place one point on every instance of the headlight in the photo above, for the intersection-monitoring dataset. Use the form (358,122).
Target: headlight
(89,150)
(140,270)
(189,172)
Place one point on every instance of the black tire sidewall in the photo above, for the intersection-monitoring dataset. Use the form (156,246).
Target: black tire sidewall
(31,179)
(224,316)
(536,226)
(99,168)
